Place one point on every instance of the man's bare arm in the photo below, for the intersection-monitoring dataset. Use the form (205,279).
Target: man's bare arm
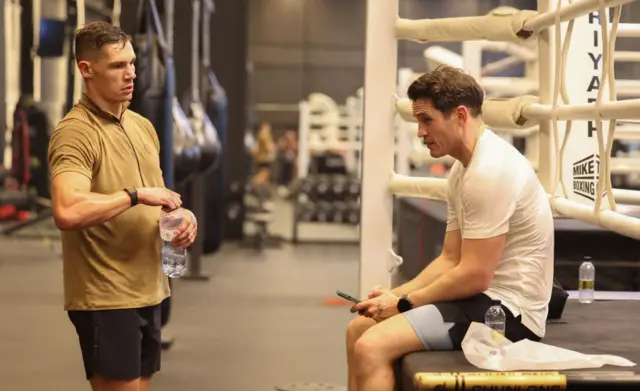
(447,260)
(76,207)
(473,275)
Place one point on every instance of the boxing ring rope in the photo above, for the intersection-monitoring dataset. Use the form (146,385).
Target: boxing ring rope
(381,105)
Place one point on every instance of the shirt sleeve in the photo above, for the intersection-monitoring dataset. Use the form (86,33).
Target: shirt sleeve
(72,149)
(489,202)
(452,215)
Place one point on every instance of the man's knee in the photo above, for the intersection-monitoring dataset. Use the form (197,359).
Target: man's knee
(368,351)
(357,327)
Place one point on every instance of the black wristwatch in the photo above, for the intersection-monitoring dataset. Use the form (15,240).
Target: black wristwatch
(404,304)
(133,194)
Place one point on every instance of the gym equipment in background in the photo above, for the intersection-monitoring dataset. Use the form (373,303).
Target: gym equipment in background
(39,106)
(215,104)
(204,130)
(154,94)
(326,198)
(10,38)
(208,142)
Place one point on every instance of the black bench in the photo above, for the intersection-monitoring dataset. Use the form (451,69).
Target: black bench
(603,327)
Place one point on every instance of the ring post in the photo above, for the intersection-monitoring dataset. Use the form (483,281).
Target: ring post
(546,158)
(376,207)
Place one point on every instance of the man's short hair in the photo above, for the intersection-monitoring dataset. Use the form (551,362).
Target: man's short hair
(90,39)
(447,88)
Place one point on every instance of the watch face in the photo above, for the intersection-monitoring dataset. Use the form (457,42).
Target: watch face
(404,304)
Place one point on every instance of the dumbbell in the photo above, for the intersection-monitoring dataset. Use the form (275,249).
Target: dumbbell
(323,211)
(340,209)
(307,211)
(338,188)
(307,186)
(322,187)
(353,188)
(353,212)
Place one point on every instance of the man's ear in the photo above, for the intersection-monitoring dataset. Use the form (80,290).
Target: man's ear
(85,69)
(462,114)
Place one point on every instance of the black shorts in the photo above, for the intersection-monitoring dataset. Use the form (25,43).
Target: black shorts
(122,344)
(473,309)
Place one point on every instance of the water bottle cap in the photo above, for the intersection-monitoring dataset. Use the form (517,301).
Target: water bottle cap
(496,302)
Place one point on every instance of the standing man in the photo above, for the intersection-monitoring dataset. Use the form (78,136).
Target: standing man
(107,193)
(499,243)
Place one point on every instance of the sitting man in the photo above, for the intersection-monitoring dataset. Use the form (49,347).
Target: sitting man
(498,244)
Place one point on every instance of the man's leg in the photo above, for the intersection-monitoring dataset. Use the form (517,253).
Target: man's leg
(151,343)
(111,348)
(379,347)
(356,328)
(100,384)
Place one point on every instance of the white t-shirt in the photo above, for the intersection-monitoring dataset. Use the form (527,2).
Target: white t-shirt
(499,193)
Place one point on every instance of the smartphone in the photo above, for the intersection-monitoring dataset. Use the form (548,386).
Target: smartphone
(348,297)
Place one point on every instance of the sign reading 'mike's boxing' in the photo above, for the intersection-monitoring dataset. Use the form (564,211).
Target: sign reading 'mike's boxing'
(585,176)
(583,72)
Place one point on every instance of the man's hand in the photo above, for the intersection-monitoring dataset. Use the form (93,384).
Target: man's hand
(187,231)
(157,196)
(382,304)
(377,291)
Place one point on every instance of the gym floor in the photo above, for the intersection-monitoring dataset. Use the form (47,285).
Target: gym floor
(258,322)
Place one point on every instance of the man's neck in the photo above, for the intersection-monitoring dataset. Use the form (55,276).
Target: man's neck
(103,104)
(470,140)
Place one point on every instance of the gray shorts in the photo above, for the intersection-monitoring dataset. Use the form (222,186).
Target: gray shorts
(430,327)
(442,326)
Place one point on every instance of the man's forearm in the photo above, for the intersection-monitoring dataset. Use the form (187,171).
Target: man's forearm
(431,273)
(89,209)
(456,284)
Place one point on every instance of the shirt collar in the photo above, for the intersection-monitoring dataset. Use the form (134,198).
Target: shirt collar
(87,103)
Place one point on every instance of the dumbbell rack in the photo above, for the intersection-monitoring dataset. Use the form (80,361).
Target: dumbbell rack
(326,199)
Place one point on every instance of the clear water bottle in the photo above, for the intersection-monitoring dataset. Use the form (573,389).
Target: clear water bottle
(174,260)
(495,317)
(587,275)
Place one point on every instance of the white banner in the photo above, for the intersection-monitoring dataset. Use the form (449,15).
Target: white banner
(583,73)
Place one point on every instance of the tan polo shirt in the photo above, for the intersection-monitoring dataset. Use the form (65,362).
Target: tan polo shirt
(115,264)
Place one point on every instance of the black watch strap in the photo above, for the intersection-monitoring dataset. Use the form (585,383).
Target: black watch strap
(133,194)
(404,304)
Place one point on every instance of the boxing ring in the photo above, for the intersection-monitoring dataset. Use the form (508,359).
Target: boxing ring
(576,111)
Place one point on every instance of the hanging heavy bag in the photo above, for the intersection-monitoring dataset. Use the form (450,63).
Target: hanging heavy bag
(216,106)
(150,95)
(206,137)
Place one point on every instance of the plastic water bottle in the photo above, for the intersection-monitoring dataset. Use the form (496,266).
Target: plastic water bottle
(174,260)
(587,275)
(495,317)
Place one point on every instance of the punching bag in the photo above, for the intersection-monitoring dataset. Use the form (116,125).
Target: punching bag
(154,97)
(204,130)
(186,149)
(216,105)
(206,138)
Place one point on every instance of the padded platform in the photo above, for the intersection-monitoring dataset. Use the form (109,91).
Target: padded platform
(603,327)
